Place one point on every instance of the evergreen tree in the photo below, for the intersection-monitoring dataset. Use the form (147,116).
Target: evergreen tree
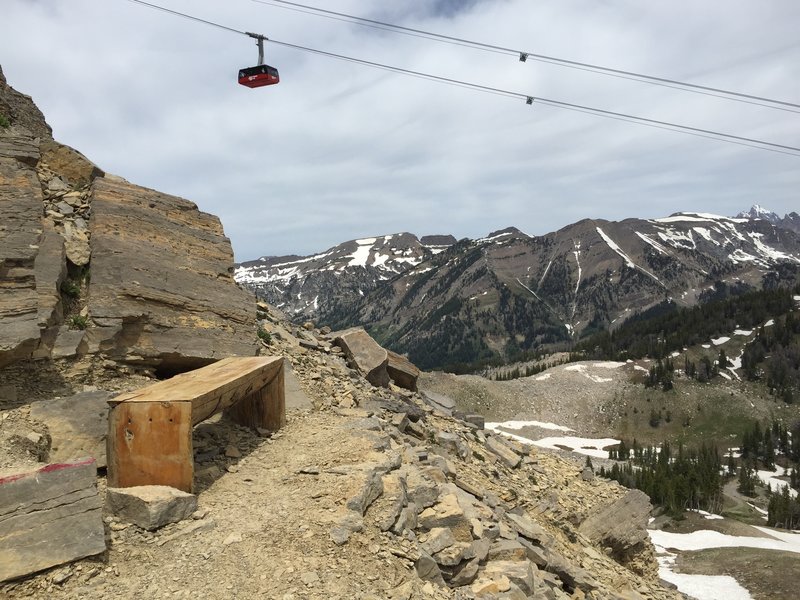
(747,481)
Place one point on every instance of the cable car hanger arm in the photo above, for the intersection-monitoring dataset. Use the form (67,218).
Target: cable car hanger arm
(260,43)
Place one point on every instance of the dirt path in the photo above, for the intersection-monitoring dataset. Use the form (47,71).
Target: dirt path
(265,533)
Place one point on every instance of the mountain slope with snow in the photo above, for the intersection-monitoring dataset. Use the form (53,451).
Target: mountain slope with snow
(307,287)
(510,292)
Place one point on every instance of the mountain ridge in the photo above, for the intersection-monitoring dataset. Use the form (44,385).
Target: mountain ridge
(510,291)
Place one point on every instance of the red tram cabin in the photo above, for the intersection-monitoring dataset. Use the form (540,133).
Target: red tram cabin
(259,76)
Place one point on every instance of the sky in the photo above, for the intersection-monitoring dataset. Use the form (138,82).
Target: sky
(340,151)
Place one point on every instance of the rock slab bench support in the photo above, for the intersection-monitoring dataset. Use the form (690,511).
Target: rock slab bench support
(150,430)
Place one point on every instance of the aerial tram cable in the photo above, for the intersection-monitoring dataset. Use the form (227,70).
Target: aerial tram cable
(529,99)
(252,77)
(524,56)
(556,103)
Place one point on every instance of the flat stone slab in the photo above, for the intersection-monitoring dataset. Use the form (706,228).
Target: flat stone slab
(49,517)
(508,457)
(440,402)
(150,506)
(78,425)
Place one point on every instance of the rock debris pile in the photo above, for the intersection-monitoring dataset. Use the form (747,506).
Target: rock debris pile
(69,209)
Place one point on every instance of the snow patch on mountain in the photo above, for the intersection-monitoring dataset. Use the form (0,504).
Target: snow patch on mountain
(692,217)
(652,242)
(362,253)
(615,247)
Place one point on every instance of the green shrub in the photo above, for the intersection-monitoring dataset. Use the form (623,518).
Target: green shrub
(264,335)
(4,122)
(70,288)
(78,322)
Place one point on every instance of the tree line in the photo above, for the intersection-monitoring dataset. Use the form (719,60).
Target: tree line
(762,446)
(674,479)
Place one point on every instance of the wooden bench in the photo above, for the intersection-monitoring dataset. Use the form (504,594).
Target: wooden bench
(150,430)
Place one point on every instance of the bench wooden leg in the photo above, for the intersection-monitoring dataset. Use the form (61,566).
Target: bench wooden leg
(264,408)
(150,443)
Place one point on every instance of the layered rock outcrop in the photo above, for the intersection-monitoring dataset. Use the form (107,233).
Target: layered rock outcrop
(27,300)
(164,313)
(82,261)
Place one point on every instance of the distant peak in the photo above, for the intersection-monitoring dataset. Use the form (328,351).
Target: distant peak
(438,240)
(506,231)
(759,212)
(504,235)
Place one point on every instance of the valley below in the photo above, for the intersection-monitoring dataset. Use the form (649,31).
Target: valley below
(579,410)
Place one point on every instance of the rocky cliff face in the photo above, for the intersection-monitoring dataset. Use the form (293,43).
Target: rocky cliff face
(82,269)
(21,111)
(149,312)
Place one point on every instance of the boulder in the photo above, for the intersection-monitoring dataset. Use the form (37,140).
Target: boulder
(520,573)
(77,248)
(402,371)
(50,269)
(507,456)
(150,506)
(69,163)
(621,525)
(364,354)
(78,425)
(440,402)
(175,314)
(49,517)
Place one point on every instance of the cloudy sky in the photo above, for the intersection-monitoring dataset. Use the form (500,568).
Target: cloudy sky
(339,151)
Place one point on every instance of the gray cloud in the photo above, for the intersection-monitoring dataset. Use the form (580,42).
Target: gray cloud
(340,151)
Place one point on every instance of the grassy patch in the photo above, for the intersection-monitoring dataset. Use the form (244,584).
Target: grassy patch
(765,573)
(4,122)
